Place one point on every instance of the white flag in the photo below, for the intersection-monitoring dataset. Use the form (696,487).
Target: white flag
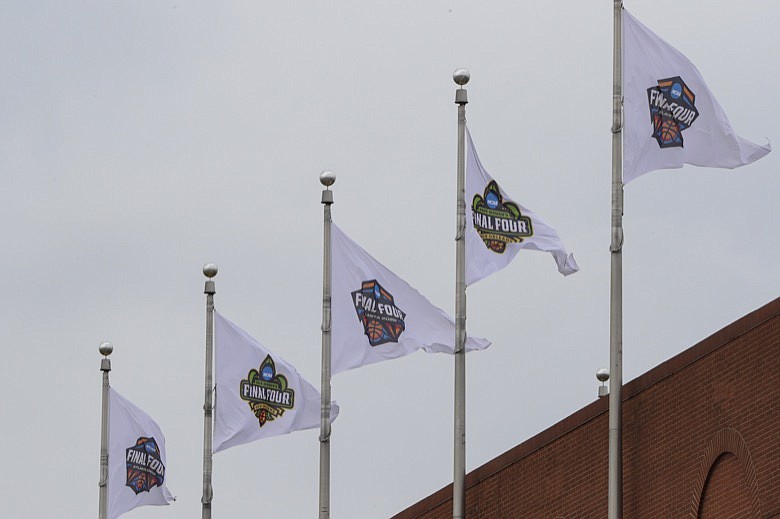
(378,316)
(497,227)
(671,117)
(136,458)
(258,394)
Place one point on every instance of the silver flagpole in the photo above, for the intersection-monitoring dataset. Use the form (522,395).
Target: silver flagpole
(105,349)
(461,77)
(327,178)
(209,270)
(615,491)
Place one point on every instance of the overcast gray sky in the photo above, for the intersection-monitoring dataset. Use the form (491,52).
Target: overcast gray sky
(140,140)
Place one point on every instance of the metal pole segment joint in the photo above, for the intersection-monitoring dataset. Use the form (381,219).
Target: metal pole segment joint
(460,323)
(327,321)
(617,114)
(616,244)
(461,231)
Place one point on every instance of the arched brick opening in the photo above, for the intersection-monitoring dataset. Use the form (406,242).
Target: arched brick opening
(726,442)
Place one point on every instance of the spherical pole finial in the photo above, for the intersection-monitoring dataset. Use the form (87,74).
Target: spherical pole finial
(461,76)
(327,178)
(106,348)
(210,270)
(603,375)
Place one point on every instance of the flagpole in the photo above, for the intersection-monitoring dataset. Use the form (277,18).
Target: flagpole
(327,178)
(615,490)
(105,349)
(461,77)
(209,270)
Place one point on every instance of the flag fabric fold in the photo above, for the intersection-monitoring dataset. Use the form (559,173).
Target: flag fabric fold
(671,116)
(136,458)
(497,228)
(377,316)
(259,394)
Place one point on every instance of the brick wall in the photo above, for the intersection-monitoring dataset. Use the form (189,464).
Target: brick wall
(701,440)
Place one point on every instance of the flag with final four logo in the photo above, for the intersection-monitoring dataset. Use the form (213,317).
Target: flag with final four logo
(136,458)
(671,117)
(259,394)
(377,316)
(497,227)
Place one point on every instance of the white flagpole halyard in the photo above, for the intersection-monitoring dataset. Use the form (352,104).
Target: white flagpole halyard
(209,270)
(105,366)
(615,489)
(327,178)
(461,77)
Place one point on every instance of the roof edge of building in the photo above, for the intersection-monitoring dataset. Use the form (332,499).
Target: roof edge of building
(598,407)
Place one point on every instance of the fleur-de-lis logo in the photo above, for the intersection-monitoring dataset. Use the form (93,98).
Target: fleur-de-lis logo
(499,221)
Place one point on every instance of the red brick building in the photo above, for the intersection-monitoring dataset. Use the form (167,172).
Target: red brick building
(701,440)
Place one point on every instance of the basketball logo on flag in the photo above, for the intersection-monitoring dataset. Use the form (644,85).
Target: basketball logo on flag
(145,469)
(382,320)
(266,392)
(499,222)
(672,110)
